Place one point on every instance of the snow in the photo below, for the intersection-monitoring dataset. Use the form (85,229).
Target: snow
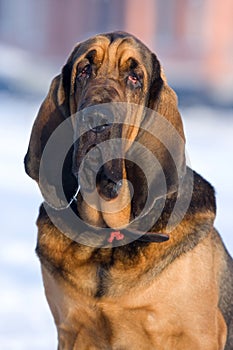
(26,322)
(209,134)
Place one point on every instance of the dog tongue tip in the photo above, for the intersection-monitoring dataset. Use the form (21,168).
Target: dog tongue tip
(116,235)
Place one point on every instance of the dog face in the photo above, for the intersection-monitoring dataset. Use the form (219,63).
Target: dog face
(101,73)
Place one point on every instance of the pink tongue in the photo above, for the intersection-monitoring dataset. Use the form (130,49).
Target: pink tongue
(116,235)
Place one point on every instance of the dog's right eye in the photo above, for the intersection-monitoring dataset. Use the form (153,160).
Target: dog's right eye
(84,72)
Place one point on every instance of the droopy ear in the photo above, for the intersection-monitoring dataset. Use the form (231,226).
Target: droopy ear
(163,100)
(53,111)
(162,97)
(49,117)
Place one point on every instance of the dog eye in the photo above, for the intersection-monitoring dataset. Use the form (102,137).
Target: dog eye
(134,80)
(84,72)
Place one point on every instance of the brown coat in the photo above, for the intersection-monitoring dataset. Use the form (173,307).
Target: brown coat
(123,277)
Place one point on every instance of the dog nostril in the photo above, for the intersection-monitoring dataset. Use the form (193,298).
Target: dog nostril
(100,123)
(101,128)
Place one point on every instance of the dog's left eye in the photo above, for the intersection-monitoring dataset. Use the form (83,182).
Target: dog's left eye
(134,80)
(84,72)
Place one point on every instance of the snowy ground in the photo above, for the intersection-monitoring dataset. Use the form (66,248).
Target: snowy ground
(25,321)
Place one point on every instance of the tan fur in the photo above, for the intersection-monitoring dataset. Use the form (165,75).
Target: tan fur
(164,309)
(115,213)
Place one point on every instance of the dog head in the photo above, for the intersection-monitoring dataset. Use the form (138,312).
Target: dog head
(107,92)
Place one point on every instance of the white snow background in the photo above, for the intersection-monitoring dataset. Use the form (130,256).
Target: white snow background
(25,319)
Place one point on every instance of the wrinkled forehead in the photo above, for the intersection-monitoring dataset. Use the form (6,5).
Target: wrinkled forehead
(118,49)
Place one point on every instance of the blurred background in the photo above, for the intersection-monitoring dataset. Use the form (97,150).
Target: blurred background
(194,41)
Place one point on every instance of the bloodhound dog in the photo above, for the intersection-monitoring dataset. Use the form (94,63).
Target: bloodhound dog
(129,255)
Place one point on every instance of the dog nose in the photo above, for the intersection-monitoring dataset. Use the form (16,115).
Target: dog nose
(97,120)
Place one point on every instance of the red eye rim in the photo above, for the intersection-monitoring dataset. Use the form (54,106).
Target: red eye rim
(134,81)
(84,72)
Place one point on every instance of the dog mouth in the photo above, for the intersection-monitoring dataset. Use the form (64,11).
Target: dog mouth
(99,167)
(98,150)
(107,180)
